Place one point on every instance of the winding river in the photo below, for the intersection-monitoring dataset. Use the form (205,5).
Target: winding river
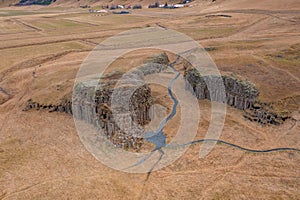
(158,138)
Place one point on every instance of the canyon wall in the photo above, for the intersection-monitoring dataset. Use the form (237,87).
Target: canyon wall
(240,93)
(119,104)
(121,126)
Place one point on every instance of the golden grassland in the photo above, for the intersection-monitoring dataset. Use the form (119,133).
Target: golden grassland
(41,156)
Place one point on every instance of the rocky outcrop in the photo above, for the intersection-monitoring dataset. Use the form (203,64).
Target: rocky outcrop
(264,113)
(65,106)
(94,105)
(240,93)
(162,59)
(119,105)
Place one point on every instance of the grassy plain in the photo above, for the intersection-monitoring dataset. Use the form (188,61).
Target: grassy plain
(41,155)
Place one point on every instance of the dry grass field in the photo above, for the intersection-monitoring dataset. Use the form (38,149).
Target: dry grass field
(41,156)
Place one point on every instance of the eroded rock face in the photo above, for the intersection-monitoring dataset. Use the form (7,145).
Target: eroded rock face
(119,104)
(104,107)
(240,94)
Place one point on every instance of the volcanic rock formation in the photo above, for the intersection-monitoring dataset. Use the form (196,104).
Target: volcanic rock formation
(265,114)
(119,104)
(240,94)
(65,106)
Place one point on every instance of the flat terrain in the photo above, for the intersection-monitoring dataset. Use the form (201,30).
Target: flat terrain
(41,156)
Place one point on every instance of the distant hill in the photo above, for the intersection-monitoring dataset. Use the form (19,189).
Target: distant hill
(208,5)
(4,3)
(35,2)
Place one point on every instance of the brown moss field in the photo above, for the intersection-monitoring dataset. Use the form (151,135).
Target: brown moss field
(41,155)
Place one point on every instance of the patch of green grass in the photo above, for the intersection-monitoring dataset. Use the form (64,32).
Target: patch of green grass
(128,19)
(52,9)
(213,32)
(96,8)
(244,45)
(11,57)
(55,24)
(4,13)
